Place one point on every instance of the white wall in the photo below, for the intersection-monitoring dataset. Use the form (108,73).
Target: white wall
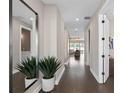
(61,43)
(62,38)
(38,6)
(92,59)
(94,47)
(59,35)
(86,46)
(54,36)
(111,32)
(66,44)
(86,34)
(50,30)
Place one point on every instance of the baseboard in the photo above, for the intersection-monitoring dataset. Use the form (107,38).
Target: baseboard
(34,88)
(94,74)
(60,76)
(66,62)
(37,89)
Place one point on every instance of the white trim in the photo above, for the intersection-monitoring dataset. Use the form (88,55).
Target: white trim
(95,75)
(15,71)
(59,77)
(21,26)
(29,82)
(66,61)
(37,89)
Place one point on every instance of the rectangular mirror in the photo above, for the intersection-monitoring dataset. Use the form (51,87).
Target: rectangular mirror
(25,44)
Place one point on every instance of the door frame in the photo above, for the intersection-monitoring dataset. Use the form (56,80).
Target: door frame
(103,48)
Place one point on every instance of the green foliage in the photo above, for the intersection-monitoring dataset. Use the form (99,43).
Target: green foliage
(48,66)
(28,67)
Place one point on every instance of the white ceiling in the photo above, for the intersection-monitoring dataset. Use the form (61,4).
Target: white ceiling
(20,11)
(72,9)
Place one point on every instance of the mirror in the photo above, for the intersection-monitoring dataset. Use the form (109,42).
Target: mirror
(25,37)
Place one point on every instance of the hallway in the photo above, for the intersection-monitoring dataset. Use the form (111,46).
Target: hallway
(77,78)
(60,29)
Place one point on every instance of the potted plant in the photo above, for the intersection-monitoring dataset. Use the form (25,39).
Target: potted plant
(48,66)
(28,68)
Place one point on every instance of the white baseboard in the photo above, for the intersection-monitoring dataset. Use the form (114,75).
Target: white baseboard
(60,76)
(35,88)
(94,74)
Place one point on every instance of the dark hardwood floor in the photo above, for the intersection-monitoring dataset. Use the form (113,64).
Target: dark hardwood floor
(78,79)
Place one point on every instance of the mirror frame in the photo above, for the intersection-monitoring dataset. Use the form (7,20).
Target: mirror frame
(11,43)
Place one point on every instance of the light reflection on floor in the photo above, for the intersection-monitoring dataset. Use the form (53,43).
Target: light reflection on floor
(74,62)
(76,66)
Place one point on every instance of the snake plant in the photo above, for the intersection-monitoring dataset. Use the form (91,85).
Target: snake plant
(28,67)
(48,66)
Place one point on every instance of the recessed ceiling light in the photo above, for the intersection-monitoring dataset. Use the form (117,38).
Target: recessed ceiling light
(76,29)
(31,19)
(77,19)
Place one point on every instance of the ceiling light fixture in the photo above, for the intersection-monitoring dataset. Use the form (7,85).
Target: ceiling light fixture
(31,19)
(76,29)
(77,19)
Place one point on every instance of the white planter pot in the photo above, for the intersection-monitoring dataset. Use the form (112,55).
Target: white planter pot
(48,84)
(29,82)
